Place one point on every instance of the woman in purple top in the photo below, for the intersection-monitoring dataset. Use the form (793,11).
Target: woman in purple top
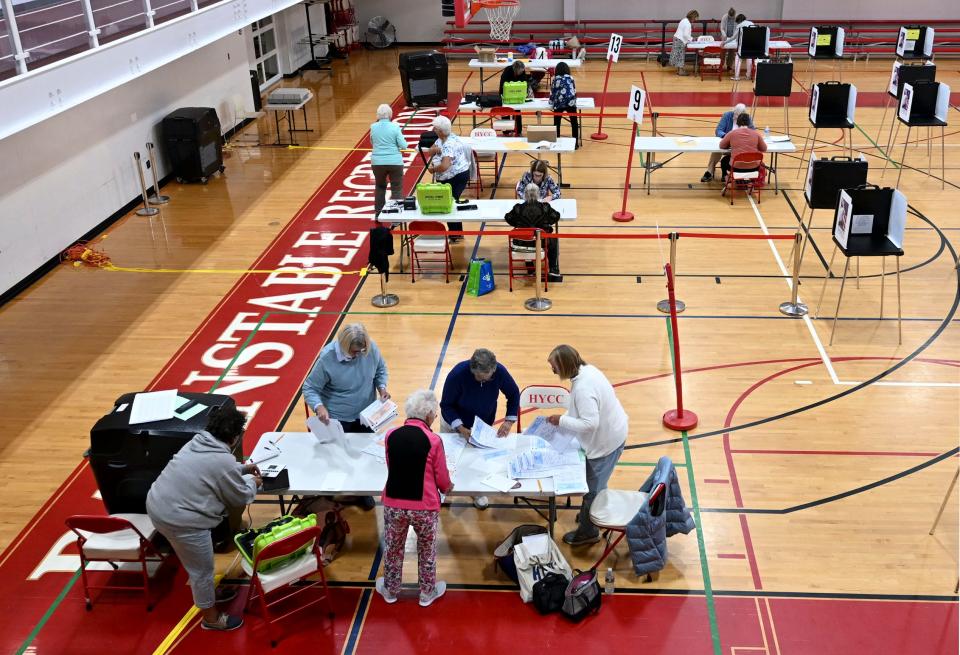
(416,476)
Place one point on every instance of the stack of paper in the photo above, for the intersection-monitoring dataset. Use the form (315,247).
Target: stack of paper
(329,433)
(484,436)
(378,414)
(541,463)
(453,445)
(153,406)
(551,434)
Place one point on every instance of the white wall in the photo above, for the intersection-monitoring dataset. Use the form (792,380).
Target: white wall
(912,12)
(69,173)
(292,28)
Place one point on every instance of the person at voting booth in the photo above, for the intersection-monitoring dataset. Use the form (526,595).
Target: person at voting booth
(449,163)
(597,418)
(531,213)
(742,22)
(683,36)
(416,476)
(386,161)
(728,27)
(191,497)
(727,122)
(539,174)
(563,98)
(740,140)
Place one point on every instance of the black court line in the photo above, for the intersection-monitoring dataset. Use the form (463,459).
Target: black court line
(685,316)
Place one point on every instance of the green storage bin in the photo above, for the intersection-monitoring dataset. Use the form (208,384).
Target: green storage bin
(514,93)
(436,198)
(251,542)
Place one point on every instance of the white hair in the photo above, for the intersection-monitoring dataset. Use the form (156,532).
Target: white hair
(384,111)
(354,335)
(531,193)
(739,108)
(441,125)
(420,404)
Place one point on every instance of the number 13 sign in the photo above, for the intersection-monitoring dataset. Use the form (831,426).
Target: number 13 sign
(638,97)
(613,50)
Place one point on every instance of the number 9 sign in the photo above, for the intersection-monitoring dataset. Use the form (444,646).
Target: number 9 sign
(613,50)
(635,109)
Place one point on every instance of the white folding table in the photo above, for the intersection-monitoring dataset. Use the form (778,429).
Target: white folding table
(486,210)
(506,144)
(532,104)
(775,46)
(341,467)
(290,110)
(701,144)
(500,63)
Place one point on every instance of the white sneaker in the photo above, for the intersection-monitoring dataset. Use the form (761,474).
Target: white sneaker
(481,502)
(439,590)
(381,587)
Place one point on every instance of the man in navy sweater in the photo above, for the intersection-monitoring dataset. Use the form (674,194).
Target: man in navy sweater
(471,390)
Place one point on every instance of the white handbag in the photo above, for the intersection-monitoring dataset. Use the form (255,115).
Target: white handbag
(531,568)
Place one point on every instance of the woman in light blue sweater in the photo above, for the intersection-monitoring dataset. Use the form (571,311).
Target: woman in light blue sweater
(387,162)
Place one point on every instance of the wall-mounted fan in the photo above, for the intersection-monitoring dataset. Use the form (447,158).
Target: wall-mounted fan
(381,33)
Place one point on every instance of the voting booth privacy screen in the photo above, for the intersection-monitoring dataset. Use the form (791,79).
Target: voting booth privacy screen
(915,42)
(753,42)
(833,104)
(870,221)
(924,103)
(909,73)
(826,42)
(827,176)
(773,78)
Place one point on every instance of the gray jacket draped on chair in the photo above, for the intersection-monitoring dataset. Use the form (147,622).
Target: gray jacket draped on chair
(647,532)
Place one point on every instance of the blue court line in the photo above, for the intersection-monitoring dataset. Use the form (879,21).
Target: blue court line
(351,644)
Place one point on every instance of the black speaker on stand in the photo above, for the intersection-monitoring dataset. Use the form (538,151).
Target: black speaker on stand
(193,143)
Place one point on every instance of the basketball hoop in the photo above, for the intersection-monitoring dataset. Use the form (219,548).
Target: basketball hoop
(500,15)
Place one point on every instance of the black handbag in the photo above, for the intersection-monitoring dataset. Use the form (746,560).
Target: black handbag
(548,593)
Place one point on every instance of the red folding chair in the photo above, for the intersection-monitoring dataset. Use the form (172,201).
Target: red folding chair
(484,158)
(293,571)
(504,119)
(747,174)
(522,259)
(429,249)
(613,509)
(711,62)
(112,539)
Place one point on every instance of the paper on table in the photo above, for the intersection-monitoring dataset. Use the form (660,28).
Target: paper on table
(377,448)
(499,482)
(552,435)
(541,462)
(334,480)
(453,445)
(332,431)
(484,436)
(780,138)
(686,139)
(570,480)
(153,406)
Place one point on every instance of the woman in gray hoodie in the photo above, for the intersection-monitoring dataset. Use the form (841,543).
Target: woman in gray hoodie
(193,494)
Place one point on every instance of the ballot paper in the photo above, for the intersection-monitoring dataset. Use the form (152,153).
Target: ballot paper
(782,138)
(570,480)
(153,406)
(376,448)
(500,482)
(484,436)
(453,445)
(552,435)
(329,433)
(378,414)
(541,463)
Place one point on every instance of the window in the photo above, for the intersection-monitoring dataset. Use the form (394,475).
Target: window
(265,51)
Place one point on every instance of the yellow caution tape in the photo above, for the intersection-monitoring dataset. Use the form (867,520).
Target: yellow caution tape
(127,269)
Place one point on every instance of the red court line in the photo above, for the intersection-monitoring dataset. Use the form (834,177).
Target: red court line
(878,453)
(731,556)
(716,481)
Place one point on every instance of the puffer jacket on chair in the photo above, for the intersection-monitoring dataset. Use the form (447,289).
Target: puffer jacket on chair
(647,532)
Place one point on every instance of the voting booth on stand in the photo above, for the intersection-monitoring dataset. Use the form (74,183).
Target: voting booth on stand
(923,104)
(773,79)
(826,42)
(868,222)
(903,73)
(832,106)
(915,42)
(752,43)
(826,177)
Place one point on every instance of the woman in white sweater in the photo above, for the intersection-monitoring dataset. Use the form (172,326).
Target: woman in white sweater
(597,418)
(683,36)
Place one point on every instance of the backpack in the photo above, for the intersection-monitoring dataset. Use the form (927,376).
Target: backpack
(549,592)
(333,535)
(503,553)
(582,596)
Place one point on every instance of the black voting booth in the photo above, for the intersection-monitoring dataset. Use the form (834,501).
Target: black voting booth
(832,106)
(924,104)
(826,42)
(869,221)
(915,42)
(753,42)
(826,177)
(126,458)
(773,79)
(423,75)
(902,73)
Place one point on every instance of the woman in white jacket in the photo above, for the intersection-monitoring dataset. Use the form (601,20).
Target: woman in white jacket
(597,418)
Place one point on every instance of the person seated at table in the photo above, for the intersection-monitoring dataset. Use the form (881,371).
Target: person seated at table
(516,73)
(416,476)
(191,497)
(727,122)
(471,391)
(741,139)
(539,174)
(742,22)
(563,99)
(449,163)
(531,213)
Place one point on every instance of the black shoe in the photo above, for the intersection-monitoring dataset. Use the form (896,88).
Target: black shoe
(224,623)
(706,177)
(554,277)
(577,538)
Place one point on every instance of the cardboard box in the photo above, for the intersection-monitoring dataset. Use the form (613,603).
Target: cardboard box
(541,133)
(486,54)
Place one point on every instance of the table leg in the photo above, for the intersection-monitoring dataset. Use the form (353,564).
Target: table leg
(649,170)
(283,510)
(276,120)
(773,172)
(552,514)
(560,172)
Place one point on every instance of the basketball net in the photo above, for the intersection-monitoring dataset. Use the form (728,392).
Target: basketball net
(500,15)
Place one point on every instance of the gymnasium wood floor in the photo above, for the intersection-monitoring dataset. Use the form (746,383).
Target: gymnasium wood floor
(816,470)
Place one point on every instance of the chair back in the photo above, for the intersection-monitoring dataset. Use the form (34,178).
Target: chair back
(288,545)
(712,51)
(746,160)
(656,500)
(545,396)
(706,38)
(483,133)
(503,112)
(99,524)
(427,226)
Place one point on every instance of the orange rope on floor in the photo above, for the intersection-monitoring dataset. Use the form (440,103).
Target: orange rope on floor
(82,254)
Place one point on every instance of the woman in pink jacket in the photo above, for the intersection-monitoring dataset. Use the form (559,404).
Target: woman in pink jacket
(416,476)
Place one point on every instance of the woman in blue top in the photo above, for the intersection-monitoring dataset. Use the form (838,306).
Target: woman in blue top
(387,162)
(727,122)
(563,98)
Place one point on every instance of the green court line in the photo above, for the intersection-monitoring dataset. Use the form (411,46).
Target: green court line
(695,504)
(50,610)
(877,146)
(646,464)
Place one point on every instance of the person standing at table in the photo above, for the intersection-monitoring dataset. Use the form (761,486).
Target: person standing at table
(516,72)
(563,99)
(192,495)
(531,213)
(539,174)
(728,27)
(449,163)
(740,140)
(387,141)
(681,38)
(598,420)
(471,391)
(742,22)
(727,122)
(416,476)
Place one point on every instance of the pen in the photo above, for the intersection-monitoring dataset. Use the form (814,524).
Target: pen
(539,486)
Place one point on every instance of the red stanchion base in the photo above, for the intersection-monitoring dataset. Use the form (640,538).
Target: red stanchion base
(679,423)
(622,217)
(599,136)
